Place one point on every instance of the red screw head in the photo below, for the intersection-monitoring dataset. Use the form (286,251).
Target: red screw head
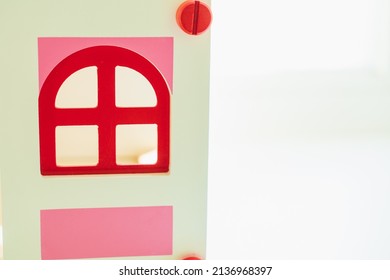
(192,258)
(193,17)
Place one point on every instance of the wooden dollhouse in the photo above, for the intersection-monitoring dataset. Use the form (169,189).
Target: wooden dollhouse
(104,128)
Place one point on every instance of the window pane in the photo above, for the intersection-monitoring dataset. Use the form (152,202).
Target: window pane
(79,90)
(77,145)
(136,144)
(132,89)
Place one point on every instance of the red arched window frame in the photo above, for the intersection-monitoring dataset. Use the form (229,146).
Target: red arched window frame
(106,115)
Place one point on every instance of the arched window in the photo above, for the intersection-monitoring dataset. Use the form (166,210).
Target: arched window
(110,124)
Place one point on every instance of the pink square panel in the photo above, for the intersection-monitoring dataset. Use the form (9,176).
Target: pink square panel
(158,50)
(106,232)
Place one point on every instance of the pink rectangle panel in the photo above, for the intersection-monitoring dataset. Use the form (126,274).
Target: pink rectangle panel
(106,232)
(158,50)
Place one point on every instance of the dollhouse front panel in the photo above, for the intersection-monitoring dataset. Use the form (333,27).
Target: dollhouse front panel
(104,112)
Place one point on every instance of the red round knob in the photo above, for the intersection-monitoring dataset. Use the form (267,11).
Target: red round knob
(193,17)
(192,258)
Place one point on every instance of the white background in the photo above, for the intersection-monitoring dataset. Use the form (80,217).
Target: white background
(300,130)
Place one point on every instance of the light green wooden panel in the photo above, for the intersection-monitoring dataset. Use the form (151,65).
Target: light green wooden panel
(25,192)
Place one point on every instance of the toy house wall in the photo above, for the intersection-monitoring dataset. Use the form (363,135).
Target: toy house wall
(27,192)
